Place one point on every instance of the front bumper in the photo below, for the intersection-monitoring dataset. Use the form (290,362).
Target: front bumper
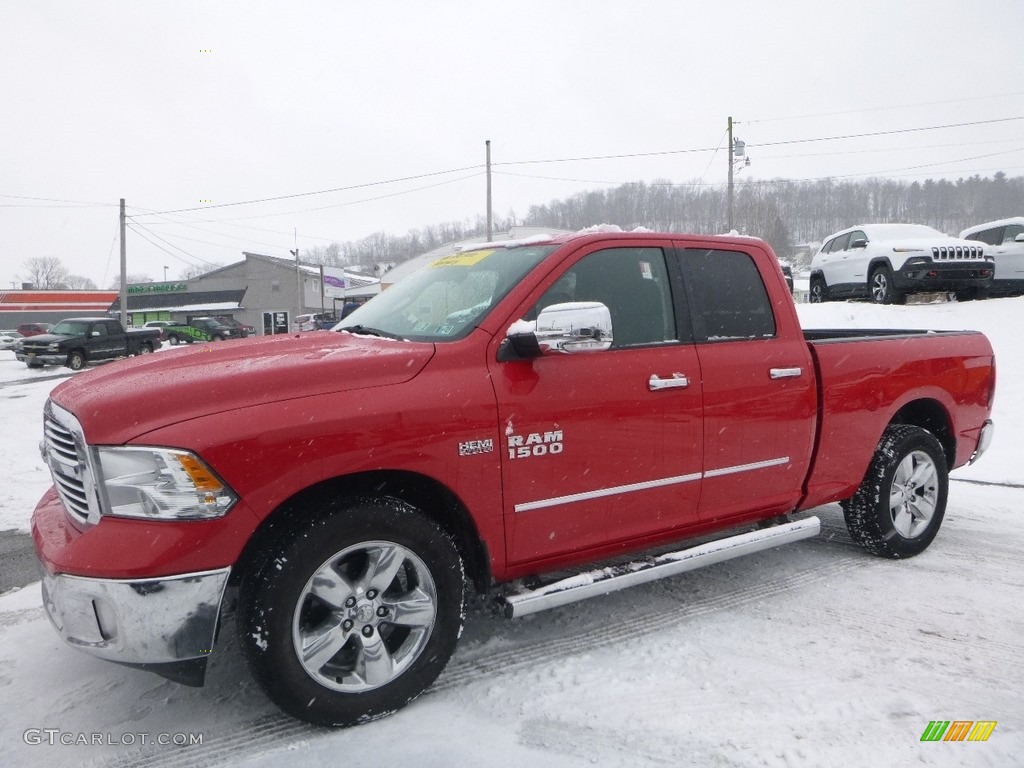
(46,358)
(139,622)
(931,275)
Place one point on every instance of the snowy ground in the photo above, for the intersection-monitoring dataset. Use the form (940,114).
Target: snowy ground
(814,654)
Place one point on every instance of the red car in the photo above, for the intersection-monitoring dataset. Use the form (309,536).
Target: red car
(34,329)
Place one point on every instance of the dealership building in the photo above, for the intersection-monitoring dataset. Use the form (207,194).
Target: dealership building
(264,292)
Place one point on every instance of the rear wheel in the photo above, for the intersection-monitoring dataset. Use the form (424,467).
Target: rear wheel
(173,339)
(899,506)
(145,349)
(354,614)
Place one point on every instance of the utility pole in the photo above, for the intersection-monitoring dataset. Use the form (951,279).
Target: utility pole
(299,298)
(124,271)
(728,227)
(489,218)
(737,149)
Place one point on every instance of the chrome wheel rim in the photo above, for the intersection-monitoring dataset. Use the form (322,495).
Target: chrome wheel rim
(364,617)
(879,287)
(914,494)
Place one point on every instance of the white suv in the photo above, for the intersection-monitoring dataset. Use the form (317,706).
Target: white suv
(1004,240)
(885,262)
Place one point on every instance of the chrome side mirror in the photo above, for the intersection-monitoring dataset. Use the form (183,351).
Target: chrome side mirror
(570,328)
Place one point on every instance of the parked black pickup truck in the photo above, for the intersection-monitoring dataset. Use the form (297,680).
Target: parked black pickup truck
(80,340)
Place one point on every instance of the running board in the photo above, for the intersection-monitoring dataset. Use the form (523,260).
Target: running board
(594,583)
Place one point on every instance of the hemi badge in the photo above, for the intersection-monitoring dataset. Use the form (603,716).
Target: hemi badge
(474,447)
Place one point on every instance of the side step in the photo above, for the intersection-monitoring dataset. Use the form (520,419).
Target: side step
(594,583)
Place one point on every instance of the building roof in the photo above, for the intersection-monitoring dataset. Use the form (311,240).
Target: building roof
(357,280)
(56,301)
(191,301)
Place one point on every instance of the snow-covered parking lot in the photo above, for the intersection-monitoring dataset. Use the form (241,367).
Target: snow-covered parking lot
(813,654)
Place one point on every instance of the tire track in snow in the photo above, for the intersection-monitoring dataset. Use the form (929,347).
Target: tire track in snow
(275,732)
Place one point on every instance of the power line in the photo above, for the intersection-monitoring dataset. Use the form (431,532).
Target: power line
(51,200)
(138,228)
(701,183)
(322,191)
(883,109)
(343,205)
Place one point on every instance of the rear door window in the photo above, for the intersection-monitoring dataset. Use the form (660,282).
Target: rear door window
(728,298)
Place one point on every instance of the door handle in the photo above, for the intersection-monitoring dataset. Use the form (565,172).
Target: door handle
(785,373)
(678,380)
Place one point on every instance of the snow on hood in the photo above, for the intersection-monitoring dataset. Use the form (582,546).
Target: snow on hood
(120,401)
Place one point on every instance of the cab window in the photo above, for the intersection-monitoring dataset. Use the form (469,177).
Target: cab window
(728,296)
(632,282)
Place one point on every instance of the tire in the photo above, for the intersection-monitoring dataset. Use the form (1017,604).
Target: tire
(880,287)
(145,349)
(899,506)
(76,360)
(818,293)
(173,339)
(374,591)
(217,337)
(971,294)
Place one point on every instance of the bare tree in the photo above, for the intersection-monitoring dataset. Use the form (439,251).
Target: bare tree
(197,270)
(130,280)
(79,283)
(45,272)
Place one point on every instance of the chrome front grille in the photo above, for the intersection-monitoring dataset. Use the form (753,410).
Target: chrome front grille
(67,456)
(963,253)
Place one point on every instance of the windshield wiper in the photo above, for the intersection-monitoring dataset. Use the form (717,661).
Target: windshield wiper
(365,331)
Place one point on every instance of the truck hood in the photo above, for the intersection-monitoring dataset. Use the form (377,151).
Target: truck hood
(120,401)
(927,243)
(46,338)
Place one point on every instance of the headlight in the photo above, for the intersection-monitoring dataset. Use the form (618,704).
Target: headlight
(55,347)
(161,484)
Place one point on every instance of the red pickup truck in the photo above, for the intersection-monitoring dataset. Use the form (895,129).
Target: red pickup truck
(540,409)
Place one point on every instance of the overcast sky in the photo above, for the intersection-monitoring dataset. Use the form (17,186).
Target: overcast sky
(171,104)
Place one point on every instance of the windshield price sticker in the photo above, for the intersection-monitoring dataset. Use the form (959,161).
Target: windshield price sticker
(467,259)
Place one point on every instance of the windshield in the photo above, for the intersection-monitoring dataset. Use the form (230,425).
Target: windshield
(903,231)
(70,328)
(445,300)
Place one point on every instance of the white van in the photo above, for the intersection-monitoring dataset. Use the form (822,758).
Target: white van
(1005,241)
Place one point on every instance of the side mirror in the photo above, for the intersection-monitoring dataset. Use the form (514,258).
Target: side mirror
(859,243)
(570,328)
(1019,238)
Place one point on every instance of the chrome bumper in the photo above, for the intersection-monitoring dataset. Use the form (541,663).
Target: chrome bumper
(984,441)
(141,621)
(47,358)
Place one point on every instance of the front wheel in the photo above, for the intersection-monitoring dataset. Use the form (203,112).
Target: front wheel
(818,293)
(880,287)
(173,339)
(971,294)
(899,506)
(76,360)
(353,614)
